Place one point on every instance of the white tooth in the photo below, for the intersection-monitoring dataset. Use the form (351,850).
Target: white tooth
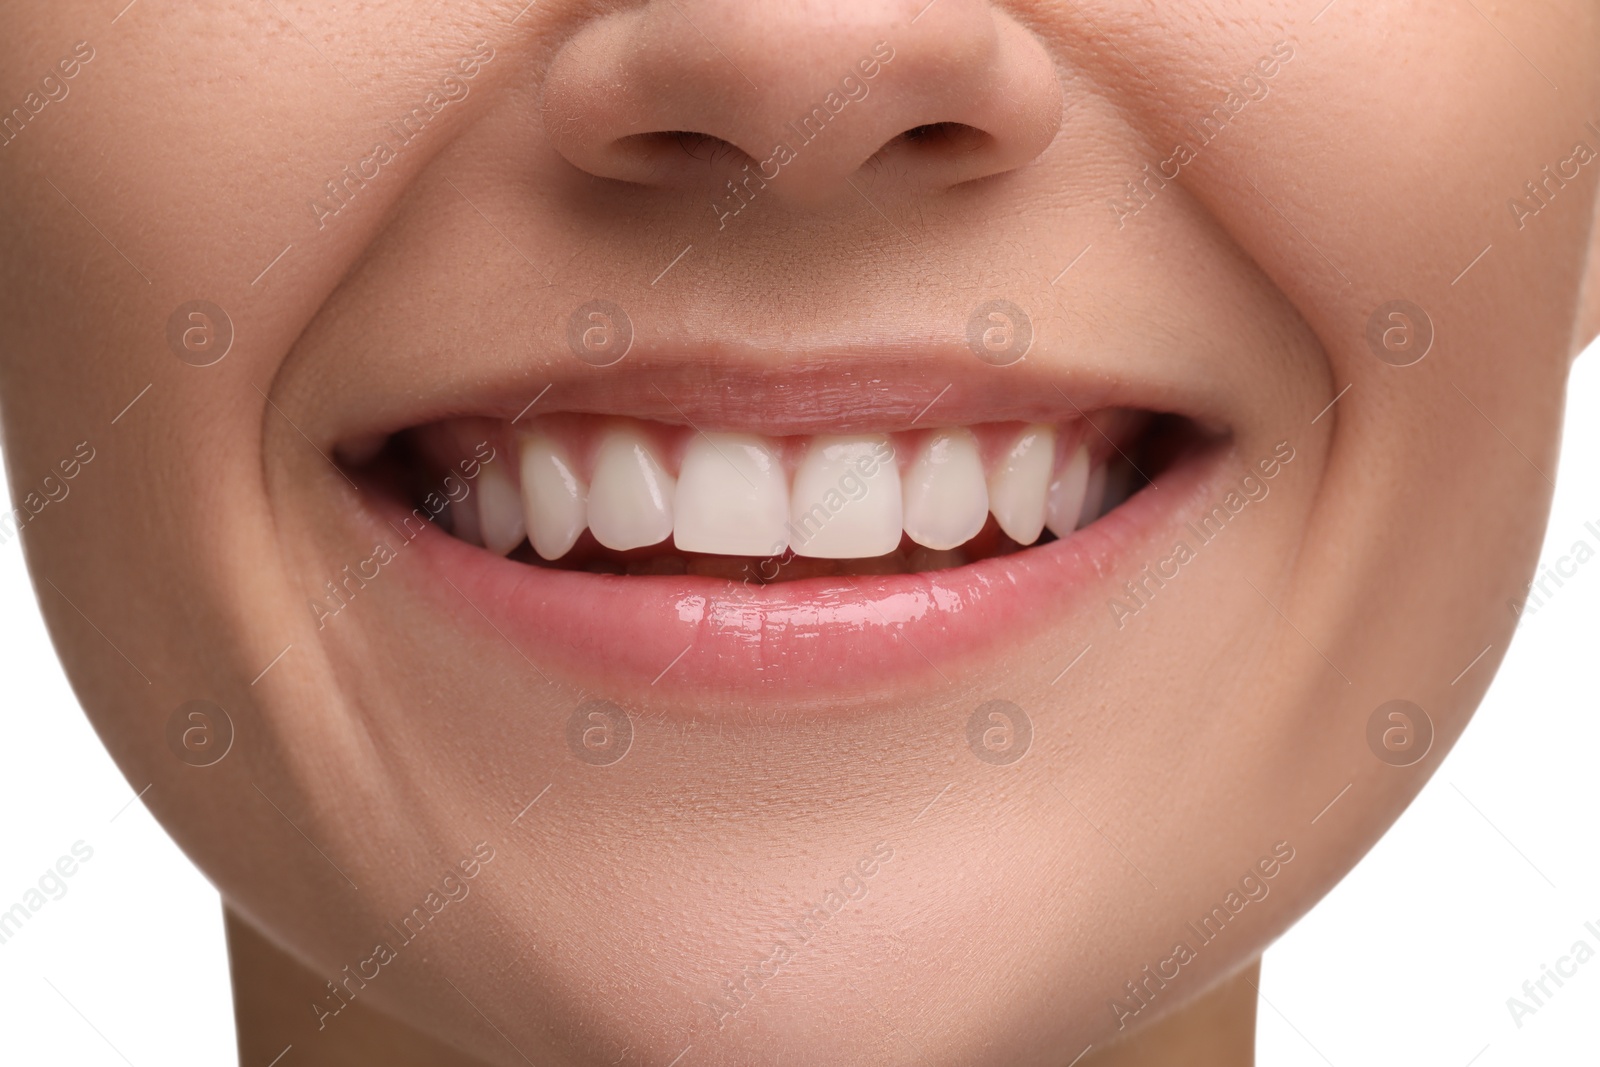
(499,509)
(464,522)
(732,498)
(630,495)
(944,499)
(1093,496)
(1018,486)
(555,501)
(846,499)
(1065,502)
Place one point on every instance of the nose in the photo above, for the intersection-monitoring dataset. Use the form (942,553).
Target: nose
(799,95)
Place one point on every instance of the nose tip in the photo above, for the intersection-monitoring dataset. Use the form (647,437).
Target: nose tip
(799,96)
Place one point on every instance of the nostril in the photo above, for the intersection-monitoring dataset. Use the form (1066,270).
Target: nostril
(950,137)
(952,152)
(663,152)
(695,145)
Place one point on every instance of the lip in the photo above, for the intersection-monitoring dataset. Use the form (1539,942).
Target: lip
(820,388)
(682,639)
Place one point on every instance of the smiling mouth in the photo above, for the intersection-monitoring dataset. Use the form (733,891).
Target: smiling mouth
(622,496)
(739,534)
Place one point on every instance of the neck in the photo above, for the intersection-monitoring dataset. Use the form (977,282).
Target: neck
(272,998)
(273,992)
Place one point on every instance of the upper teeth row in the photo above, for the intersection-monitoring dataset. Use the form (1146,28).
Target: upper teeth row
(849,497)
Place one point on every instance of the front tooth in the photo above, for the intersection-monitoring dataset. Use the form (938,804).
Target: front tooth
(1093,496)
(945,501)
(554,498)
(1019,485)
(732,498)
(630,495)
(499,509)
(464,522)
(1065,502)
(846,499)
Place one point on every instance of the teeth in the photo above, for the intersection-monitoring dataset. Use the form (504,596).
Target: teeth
(846,502)
(1065,501)
(554,499)
(849,503)
(499,509)
(464,522)
(732,498)
(1020,484)
(630,496)
(945,502)
(1094,496)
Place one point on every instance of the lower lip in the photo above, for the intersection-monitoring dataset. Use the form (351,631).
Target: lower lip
(676,637)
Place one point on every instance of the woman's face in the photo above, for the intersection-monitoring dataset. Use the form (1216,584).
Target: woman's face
(282,279)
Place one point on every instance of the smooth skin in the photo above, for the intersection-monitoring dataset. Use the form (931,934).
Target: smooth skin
(1377,163)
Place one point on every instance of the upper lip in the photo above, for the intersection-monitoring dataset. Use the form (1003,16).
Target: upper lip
(880,388)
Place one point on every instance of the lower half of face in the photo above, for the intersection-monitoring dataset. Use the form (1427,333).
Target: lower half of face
(813,536)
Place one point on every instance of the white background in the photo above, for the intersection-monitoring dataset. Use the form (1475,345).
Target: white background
(1490,874)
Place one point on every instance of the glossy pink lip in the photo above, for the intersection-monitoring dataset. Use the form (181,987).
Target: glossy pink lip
(876,388)
(823,638)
